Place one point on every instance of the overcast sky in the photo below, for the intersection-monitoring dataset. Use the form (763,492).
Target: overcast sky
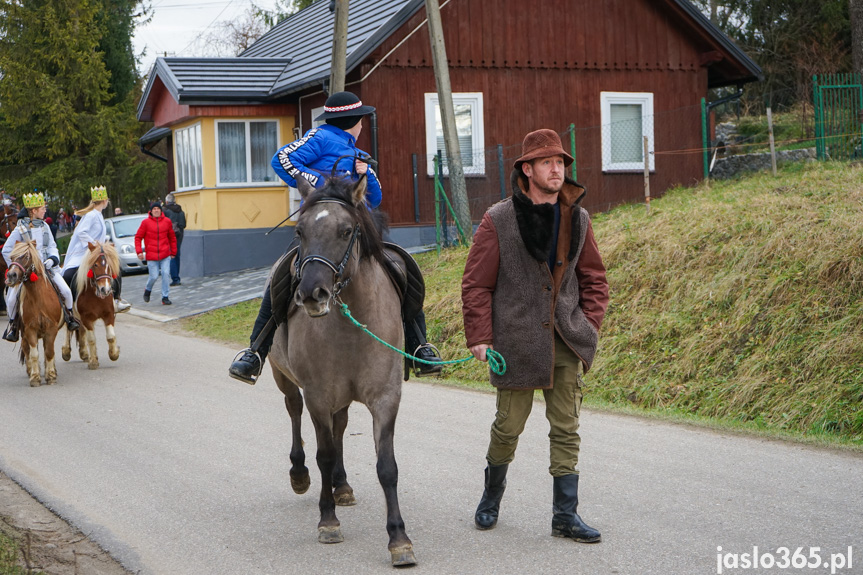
(178,26)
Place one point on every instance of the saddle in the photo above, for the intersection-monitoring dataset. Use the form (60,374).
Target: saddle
(401,268)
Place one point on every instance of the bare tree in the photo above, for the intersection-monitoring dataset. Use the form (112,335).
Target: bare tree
(233,37)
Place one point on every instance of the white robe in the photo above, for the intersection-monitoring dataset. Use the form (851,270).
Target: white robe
(91,228)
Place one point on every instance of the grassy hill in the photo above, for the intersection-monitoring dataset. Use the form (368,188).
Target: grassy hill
(740,303)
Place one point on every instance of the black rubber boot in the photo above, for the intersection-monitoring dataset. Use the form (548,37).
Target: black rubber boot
(489,505)
(11,333)
(71,323)
(566,522)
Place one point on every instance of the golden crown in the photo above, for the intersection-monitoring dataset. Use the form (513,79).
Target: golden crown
(98,193)
(34,200)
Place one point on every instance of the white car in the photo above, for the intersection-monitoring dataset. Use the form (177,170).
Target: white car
(121,231)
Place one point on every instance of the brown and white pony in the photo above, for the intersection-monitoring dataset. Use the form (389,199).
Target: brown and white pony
(40,314)
(93,284)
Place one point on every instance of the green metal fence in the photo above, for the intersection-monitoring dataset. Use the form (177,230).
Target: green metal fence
(838,102)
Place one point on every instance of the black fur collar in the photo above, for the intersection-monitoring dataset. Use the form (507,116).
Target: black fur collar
(536,221)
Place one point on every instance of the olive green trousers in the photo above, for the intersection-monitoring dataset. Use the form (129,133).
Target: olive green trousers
(562,407)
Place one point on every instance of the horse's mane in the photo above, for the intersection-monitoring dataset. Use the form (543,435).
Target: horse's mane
(90,257)
(372,223)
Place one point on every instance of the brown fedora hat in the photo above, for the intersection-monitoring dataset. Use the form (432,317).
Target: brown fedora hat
(542,144)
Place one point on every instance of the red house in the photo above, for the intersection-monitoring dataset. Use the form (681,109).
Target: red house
(616,70)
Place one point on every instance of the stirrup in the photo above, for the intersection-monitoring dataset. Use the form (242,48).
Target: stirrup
(422,369)
(254,376)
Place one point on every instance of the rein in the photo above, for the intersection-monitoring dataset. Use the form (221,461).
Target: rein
(495,360)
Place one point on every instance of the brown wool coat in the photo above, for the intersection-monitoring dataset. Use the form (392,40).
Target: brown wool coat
(512,301)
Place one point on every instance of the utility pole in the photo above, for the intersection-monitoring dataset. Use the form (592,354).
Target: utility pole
(340,45)
(447,114)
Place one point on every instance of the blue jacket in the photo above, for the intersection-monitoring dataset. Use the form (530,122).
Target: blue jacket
(312,157)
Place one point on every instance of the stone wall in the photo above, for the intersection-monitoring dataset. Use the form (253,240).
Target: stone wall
(734,165)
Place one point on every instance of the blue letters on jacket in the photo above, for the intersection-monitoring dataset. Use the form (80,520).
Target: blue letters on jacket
(312,157)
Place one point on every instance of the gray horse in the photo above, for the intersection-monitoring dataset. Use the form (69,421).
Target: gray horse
(319,350)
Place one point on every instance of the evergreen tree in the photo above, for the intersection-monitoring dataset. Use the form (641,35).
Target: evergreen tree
(67,120)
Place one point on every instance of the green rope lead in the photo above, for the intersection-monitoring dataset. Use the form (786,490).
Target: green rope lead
(495,359)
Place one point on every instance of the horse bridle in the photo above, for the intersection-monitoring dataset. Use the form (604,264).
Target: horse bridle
(338,270)
(94,281)
(6,223)
(24,271)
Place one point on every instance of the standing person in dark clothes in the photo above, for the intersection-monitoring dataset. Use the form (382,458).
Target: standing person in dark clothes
(178,220)
(534,290)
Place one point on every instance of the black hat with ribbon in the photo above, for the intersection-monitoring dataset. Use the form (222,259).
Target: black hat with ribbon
(344,105)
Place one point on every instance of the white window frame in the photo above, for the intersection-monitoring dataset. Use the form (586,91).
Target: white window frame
(315,113)
(196,168)
(645,100)
(248,183)
(474,100)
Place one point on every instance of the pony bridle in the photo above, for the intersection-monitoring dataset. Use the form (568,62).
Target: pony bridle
(339,281)
(95,280)
(25,273)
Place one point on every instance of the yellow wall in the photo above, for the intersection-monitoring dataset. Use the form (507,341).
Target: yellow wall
(230,208)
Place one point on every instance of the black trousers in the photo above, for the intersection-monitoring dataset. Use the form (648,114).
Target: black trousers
(69,278)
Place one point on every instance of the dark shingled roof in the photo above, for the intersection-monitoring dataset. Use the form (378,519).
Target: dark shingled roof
(215,80)
(307,38)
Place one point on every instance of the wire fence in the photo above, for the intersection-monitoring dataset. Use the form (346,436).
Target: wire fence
(681,146)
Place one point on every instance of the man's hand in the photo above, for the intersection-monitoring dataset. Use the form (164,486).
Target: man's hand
(361,167)
(478,351)
(141,257)
(49,263)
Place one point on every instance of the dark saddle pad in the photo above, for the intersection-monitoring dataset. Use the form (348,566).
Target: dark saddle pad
(282,286)
(407,277)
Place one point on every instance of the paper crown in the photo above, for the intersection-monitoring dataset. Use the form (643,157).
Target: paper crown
(34,200)
(98,193)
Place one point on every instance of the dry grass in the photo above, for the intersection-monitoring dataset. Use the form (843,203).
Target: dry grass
(741,301)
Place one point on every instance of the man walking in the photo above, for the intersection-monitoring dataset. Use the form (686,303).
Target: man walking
(534,289)
(178,223)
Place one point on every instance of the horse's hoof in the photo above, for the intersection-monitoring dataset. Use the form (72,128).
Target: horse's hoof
(403,556)
(330,535)
(301,485)
(345,498)
(35,382)
(93,365)
(114,356)
(67,354)
(49,380)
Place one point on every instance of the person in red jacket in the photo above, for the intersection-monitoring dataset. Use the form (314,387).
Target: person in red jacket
(160,244)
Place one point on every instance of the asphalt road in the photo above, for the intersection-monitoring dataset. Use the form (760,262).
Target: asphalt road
(176,469)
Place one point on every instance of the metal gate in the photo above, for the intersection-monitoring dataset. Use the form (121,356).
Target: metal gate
(838,116)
